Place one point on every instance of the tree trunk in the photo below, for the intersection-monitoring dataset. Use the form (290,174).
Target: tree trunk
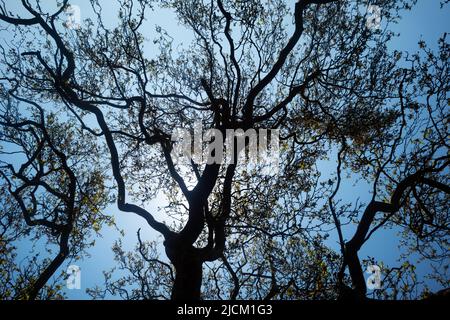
(356,273)
(188,273)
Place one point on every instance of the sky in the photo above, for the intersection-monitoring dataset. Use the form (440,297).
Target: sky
(426,21)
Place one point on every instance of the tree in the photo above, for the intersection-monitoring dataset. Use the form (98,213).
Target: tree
(317,73)
(46,192)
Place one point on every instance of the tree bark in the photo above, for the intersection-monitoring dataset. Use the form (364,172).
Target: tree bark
(188,272)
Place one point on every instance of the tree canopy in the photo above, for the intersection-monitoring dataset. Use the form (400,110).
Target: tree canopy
(87,117)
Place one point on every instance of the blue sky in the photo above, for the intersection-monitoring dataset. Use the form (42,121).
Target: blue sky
(426,21)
